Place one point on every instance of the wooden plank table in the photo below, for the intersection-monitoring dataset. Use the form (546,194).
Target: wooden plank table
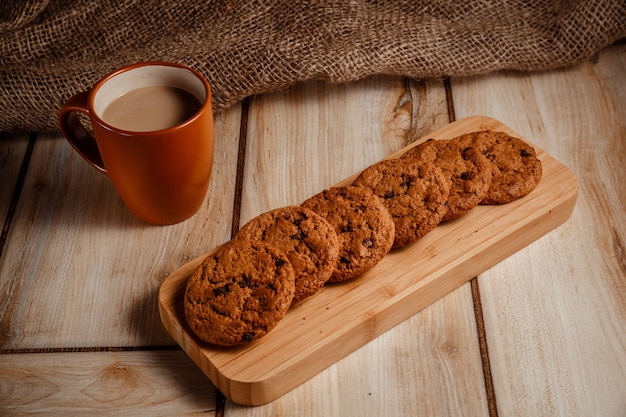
(542,333)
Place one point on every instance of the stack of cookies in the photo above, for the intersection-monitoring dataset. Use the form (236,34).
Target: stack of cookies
(246,286)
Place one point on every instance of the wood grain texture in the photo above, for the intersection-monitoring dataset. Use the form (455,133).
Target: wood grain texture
(427,365)
(79,270)
(555,312)
(340,319)
(314,135)
(155,383)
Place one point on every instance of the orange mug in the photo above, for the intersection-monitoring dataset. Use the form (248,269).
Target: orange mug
(152,135)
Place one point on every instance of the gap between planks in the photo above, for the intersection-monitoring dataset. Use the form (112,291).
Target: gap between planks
(478,308)
(19,184)
(220,399)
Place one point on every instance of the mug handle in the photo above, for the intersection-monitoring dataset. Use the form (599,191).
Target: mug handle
(80,138)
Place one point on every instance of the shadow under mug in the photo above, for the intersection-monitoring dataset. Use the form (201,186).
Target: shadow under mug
(161,175)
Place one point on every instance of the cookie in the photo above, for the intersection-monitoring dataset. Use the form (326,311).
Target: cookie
(239,293)
(467,170)
(516,170)
(364,227)
(414,192)
(308,240)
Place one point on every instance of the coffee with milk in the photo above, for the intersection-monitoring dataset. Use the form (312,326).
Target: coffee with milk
(152,108)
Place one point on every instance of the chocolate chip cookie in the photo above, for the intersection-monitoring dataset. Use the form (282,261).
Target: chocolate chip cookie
(516,170)
(239,293)
(467,170)
(364,227)
(415,193)
(308,240)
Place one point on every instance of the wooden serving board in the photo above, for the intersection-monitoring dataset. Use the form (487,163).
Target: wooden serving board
(343,317)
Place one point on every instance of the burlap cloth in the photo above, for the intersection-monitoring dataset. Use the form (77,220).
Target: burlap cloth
(52,49)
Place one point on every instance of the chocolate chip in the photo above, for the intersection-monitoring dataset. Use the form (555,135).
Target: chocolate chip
(280,262)
(465,176)
(407,181)
(222,290)
(390,194)
(247,336)
(245,281)
(524,153)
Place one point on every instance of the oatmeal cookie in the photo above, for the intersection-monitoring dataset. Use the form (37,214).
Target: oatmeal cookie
(415,193)
(308,240)
(239,293)
(467,170)
(516,170)
(364,227)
